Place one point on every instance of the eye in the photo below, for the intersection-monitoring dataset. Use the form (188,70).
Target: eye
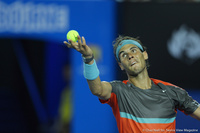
(124,55)
(133,50)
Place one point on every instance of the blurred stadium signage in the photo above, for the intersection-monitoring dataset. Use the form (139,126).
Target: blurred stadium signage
(184,45)
(29,17)
(33,18)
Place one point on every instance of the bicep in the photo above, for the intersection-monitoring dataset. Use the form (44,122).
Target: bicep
(196,114)
(185,102)
(106,90)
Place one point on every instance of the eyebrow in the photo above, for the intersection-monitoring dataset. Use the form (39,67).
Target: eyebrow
(129,49)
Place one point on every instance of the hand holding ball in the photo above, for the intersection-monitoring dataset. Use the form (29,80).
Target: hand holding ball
(72,35)
(79,46)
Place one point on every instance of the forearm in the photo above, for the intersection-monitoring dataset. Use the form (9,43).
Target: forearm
(196,114)
(91,73)
(95,86)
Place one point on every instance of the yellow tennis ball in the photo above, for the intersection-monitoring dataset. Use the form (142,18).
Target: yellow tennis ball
(73,35)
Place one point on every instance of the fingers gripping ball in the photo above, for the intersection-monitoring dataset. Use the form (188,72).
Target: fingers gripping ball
(73,35)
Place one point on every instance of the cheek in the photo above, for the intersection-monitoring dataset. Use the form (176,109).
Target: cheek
(142,59)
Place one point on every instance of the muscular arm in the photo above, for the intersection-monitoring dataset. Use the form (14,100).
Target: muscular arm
(100,88)
(97,87)
(196,114)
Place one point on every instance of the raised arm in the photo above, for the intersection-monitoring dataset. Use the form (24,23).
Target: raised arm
(196,114)
(97,87)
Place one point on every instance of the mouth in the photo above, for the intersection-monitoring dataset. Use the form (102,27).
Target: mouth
(133,63)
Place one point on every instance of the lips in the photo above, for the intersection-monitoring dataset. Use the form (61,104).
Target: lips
(133,63)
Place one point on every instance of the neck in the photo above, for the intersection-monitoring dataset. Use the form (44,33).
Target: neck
(141,81)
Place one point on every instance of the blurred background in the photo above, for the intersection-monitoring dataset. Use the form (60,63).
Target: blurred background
(42,88)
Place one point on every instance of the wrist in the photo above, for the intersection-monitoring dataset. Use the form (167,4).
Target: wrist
(87,56)
(90,71)
(88,59)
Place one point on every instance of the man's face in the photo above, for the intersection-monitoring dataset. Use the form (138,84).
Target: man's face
(132,59)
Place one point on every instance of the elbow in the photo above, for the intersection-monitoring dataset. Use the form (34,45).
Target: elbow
(97,91)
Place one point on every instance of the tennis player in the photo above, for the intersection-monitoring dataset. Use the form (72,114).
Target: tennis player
(141,103)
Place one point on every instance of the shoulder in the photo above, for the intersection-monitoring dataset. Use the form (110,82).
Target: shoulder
(118,82)
(157,82)
(118,85)
(172,89)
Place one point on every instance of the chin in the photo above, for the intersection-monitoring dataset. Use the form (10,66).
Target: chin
(133,73)
(136,72)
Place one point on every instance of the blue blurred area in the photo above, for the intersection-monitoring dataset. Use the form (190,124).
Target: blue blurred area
(55,59)
(48,22)
(39,29)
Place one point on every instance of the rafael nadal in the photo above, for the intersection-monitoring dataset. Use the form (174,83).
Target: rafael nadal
(140,103)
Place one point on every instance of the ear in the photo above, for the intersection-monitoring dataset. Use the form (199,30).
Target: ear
(145,55)
(121,66)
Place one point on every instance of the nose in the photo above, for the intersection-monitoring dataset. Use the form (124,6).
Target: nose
(130,56)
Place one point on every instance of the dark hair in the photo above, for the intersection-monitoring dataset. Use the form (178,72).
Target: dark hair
(120,38)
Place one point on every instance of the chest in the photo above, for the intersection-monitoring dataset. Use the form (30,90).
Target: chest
(152,103)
